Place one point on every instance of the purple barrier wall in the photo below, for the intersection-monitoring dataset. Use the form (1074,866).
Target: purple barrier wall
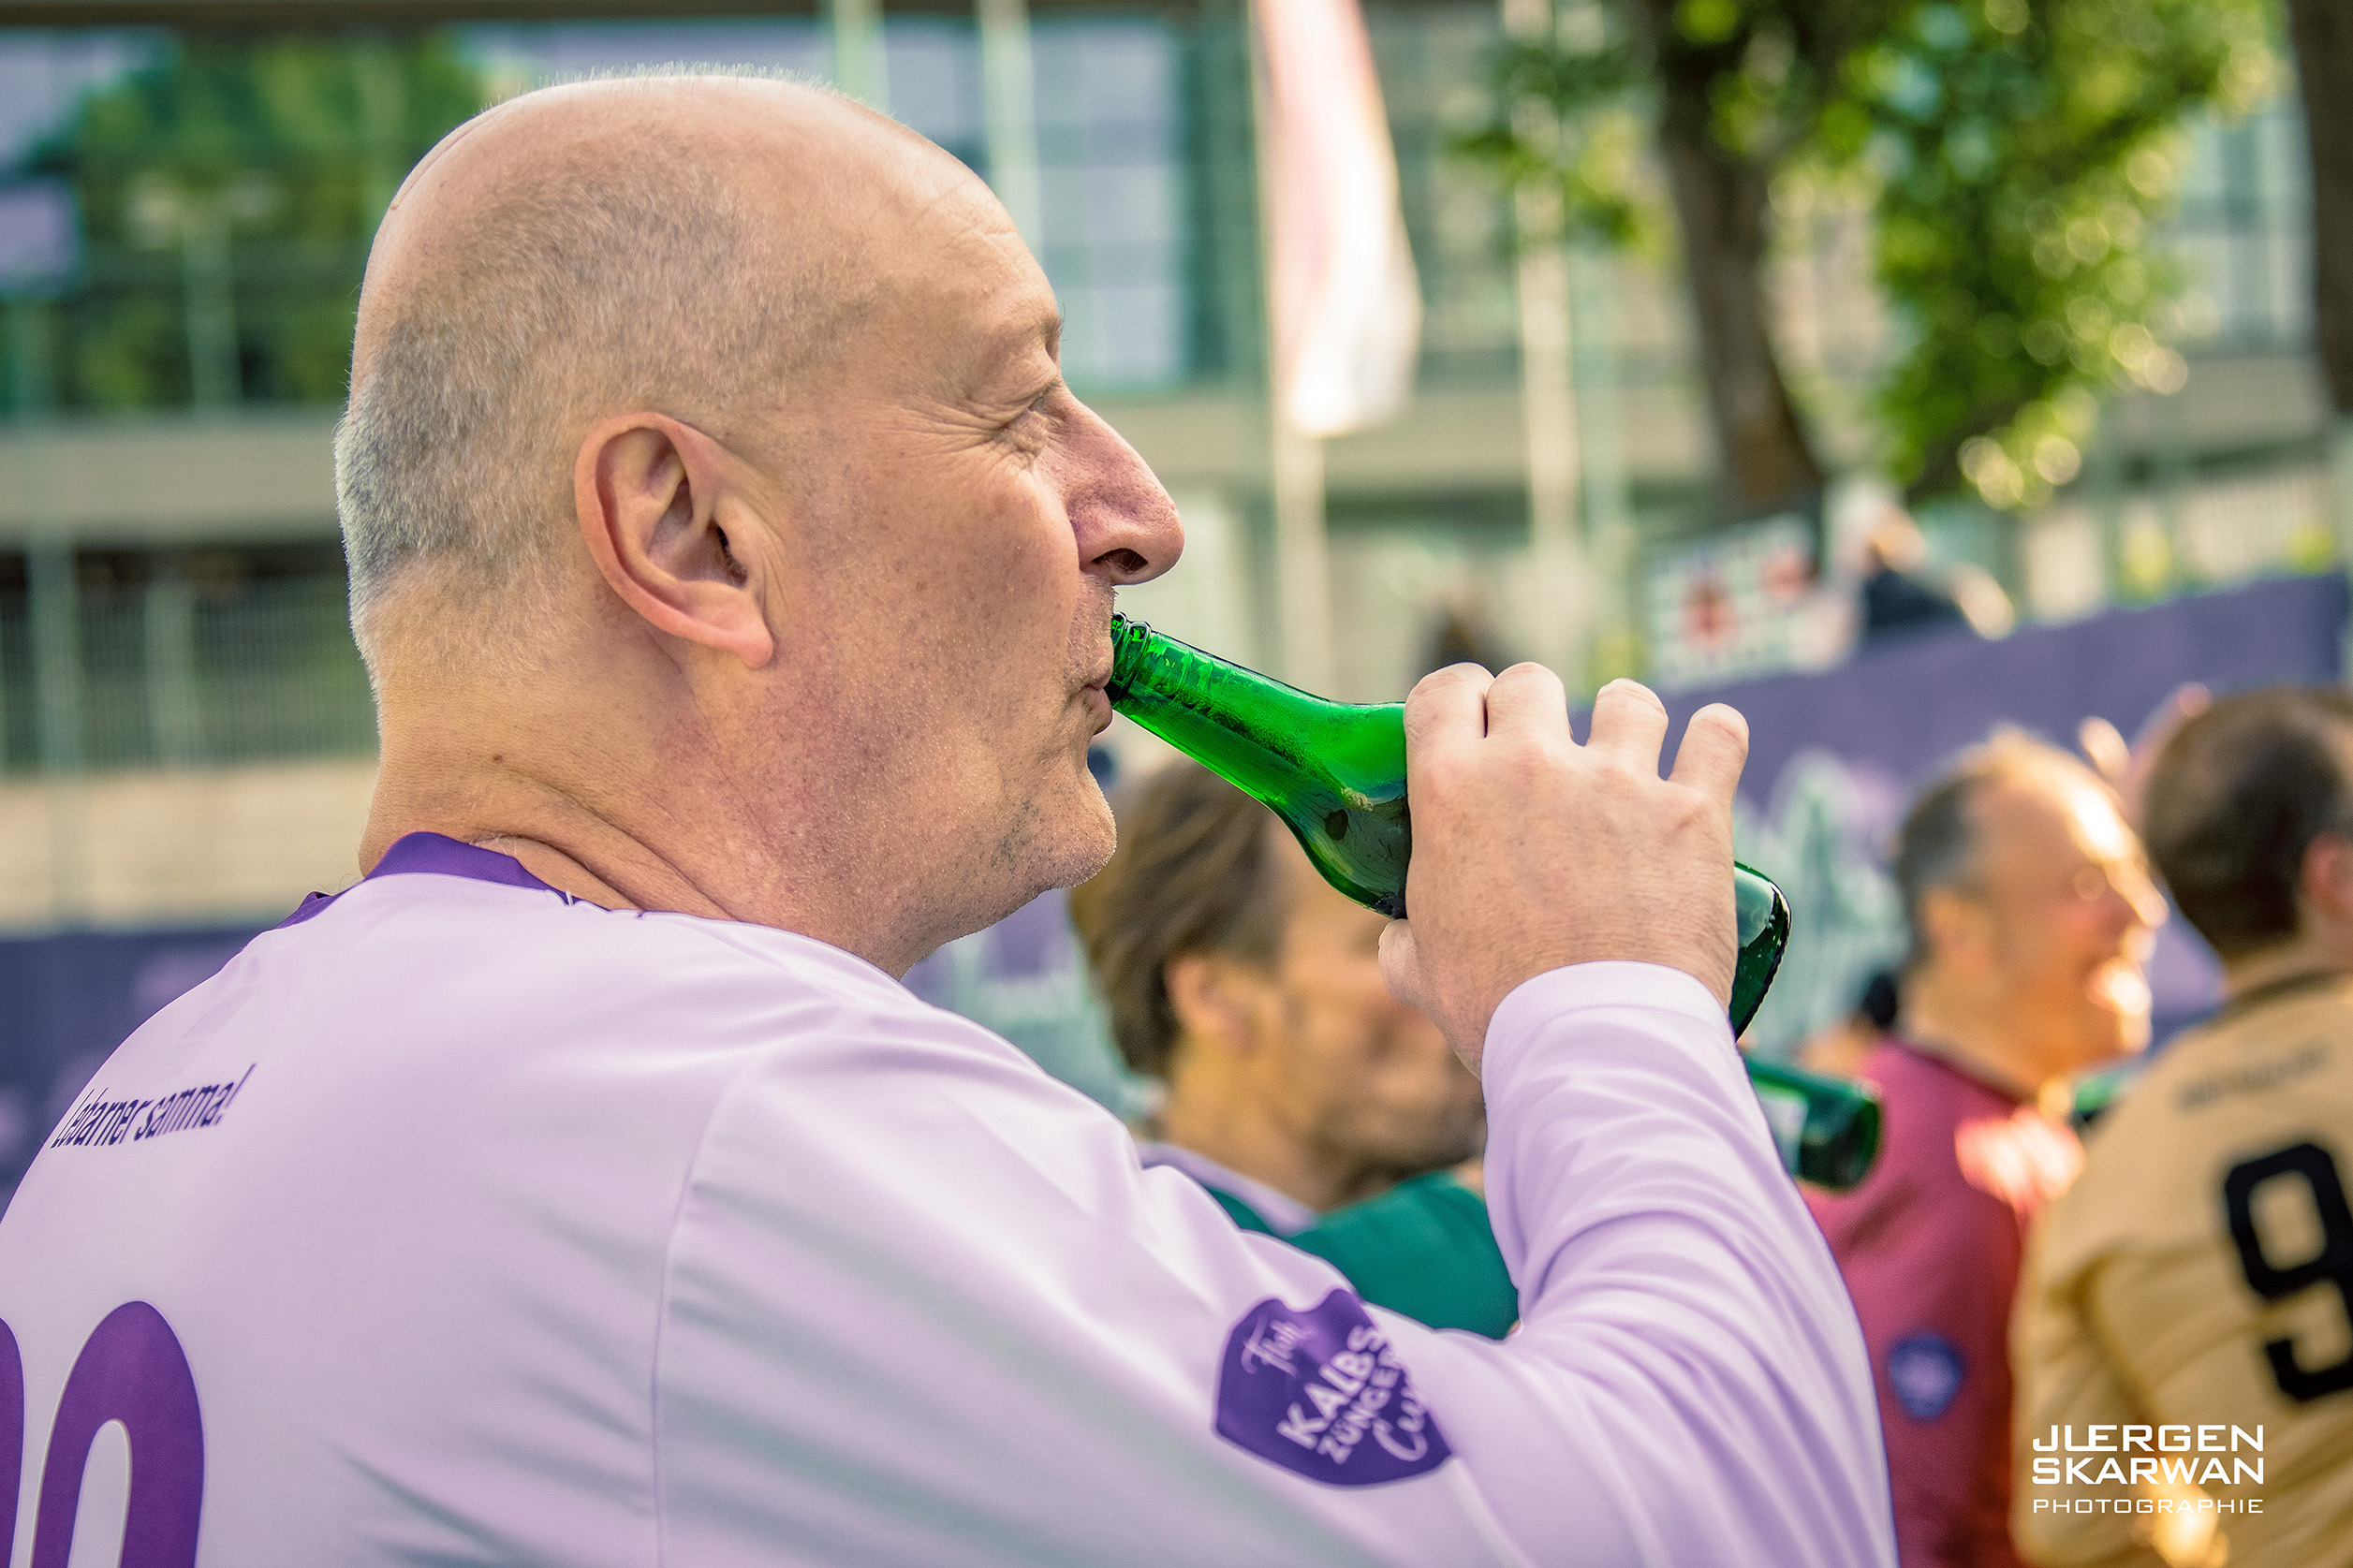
(1904,706)
(1835,755)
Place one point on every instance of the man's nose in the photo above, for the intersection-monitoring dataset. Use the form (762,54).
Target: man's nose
(2136,905)
(1127,528)
(2148,907)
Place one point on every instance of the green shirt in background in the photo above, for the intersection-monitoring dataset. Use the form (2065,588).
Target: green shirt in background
(1423,1248)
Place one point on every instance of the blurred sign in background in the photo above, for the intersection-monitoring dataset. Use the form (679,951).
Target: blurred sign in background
(2044,275)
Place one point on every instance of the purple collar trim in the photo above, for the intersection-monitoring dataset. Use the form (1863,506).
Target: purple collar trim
(438,855)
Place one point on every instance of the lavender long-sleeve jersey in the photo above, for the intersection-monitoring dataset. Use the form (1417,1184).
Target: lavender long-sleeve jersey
(457,1222)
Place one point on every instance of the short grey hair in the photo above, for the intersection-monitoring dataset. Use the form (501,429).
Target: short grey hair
(1939,843)
(595,287)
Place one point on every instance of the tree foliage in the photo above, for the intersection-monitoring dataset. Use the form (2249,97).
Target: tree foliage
(2017,153)
(2024,154)
(278,152)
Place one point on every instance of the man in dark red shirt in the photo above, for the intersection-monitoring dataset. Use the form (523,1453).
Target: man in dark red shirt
(2030,909)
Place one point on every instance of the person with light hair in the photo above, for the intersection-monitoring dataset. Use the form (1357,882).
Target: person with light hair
(2030,912)
(734,569)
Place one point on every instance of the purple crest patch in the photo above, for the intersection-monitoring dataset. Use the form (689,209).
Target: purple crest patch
(1323,1394)
(1926,1372)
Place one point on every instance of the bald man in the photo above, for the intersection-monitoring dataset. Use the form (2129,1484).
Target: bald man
(581,1187)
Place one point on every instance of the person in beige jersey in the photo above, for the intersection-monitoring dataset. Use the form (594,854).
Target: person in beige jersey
(2183,1342)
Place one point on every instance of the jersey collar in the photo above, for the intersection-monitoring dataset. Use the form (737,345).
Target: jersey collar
(2279,990)
(436,855)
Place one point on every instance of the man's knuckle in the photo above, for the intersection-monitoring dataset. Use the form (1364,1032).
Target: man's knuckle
(1689,811)
(1524,758)
(1441,778)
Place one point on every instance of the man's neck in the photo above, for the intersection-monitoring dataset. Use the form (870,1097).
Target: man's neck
(503,805)
(563,776)
(1957,1035)
(1234,1127)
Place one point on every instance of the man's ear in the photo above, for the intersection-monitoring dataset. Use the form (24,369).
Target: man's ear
(1211,996)
(1954,927)
(2325,887)
(649,493)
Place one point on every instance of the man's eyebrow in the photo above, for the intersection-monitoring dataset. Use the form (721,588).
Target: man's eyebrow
(1045,327)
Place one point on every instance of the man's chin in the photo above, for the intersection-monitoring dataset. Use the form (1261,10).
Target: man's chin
(1064,836)
(1081,841)
(2118,996)
(2110,1037)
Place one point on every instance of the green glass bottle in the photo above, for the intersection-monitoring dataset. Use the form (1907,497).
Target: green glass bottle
(1826,1128)
(1335,773)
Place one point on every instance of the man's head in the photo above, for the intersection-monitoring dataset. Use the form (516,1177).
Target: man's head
(2250,820)
(709,484)
(2030,910)
(1254,988)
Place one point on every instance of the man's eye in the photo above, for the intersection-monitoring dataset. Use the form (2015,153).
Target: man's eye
(1034,424)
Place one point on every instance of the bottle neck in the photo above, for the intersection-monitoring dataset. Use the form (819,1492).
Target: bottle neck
(1215,711)
(1145,663)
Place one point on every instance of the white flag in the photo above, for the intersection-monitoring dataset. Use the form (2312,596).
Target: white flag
(1346,306)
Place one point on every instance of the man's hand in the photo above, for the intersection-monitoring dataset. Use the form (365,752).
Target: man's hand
(1532,852)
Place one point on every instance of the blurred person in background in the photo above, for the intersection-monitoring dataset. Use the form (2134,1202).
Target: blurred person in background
(1462,634)
(1310,1103)
(1897,597)
(2201,1269)
(2029,911)
(1900,595)
(1840,1047)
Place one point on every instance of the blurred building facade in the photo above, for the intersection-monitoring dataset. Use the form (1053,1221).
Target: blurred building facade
(185,728)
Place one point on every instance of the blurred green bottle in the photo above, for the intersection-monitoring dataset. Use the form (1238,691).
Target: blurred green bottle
(1335,773)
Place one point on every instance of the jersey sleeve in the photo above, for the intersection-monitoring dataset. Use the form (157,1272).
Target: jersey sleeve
(923,1305)
(1676,1296)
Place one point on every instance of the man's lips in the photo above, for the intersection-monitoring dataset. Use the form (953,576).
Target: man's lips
(1098,703)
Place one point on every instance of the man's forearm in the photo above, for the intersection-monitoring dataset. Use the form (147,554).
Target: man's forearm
(1673,1280)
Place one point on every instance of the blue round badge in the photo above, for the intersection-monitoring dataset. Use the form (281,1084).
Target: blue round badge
(1925,1370)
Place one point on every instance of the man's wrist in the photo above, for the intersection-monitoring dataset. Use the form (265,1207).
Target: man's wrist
(1519,1019)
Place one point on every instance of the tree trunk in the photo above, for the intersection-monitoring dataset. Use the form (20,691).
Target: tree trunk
(1760,447)
(2323,31)
(1723,208)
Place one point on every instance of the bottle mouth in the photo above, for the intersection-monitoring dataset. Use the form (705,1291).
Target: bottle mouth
(1129,639)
